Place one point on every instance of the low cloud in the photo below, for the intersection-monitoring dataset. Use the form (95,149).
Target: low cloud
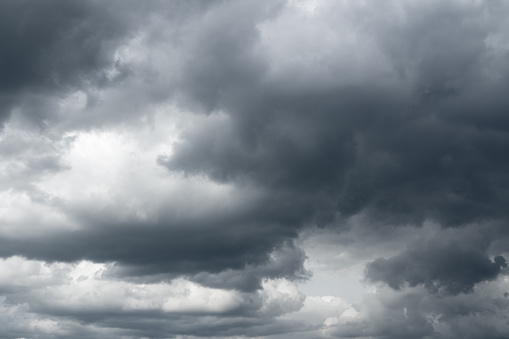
(191,150)
(445,268)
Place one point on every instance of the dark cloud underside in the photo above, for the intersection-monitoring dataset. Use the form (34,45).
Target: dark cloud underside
(392,112)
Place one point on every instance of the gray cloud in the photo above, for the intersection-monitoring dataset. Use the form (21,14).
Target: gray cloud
(415,314)
(441,267)
(54,45)
(392,113)
(333,145)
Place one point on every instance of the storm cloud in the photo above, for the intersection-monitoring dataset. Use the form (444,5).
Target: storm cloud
(193,169)
(446,268)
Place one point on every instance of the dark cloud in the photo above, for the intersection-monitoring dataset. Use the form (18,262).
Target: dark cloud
(425,141)
(54,46)
(52,43)
(334,144)
(395,148)
(285,262)
(446,268)
(202,247)
(392,112)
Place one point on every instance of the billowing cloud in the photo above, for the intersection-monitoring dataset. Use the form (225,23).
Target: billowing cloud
(181,169)
(446,268)
(52,46)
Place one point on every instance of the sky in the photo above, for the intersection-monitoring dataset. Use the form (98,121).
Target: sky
(267,169)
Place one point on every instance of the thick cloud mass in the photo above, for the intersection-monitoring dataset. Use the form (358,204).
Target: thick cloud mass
(332,142)
(53,45)
(446,267)
(178,168)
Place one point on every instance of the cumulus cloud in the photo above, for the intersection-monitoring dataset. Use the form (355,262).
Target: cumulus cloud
(447,268)
(178,169)
(54,45)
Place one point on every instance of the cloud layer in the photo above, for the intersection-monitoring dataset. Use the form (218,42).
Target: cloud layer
(180,169)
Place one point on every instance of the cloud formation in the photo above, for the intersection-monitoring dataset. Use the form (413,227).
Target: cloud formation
(446,268)
(180,169)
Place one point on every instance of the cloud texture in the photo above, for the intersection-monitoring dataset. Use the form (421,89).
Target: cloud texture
(181,169)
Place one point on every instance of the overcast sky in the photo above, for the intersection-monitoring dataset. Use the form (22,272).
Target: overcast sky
(254,169)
